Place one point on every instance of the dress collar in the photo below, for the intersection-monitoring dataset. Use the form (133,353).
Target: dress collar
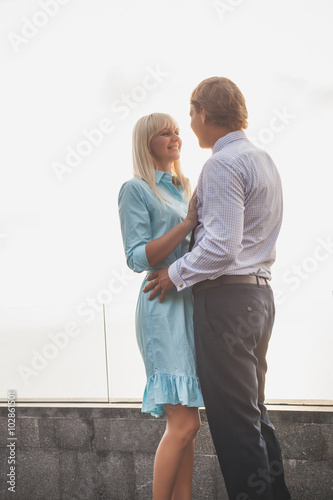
(226,139)
(159,175)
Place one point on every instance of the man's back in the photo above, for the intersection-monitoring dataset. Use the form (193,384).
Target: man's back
(239,213)
(258,177)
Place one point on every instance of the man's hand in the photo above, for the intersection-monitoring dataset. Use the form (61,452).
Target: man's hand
(159,282)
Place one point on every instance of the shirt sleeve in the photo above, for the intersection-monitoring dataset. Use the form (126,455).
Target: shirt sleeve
(135,226)
(221,194)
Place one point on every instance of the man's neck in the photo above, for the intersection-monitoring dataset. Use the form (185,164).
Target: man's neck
(216,133)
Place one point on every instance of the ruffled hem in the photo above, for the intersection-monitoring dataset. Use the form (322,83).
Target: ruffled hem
(164,388)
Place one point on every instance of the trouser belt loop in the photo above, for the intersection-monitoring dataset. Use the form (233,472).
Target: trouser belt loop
(257,280)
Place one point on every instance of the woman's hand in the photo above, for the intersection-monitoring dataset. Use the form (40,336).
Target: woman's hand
(192,216)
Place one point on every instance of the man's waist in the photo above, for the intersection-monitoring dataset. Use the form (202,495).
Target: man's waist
(227,279)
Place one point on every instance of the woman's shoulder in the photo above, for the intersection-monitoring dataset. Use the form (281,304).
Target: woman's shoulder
(135,184)
(134,187)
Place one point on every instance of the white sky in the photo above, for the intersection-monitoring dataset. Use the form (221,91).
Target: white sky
(60,242)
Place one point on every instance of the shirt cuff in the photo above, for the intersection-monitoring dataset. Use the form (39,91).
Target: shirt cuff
(176,278)
(140,261)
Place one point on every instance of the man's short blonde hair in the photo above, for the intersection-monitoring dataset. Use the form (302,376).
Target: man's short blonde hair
(223,101)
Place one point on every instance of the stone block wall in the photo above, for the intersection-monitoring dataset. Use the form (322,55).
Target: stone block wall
(107,453)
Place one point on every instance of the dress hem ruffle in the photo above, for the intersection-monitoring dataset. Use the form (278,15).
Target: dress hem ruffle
(166,388)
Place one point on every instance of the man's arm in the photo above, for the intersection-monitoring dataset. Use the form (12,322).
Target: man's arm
(221,194)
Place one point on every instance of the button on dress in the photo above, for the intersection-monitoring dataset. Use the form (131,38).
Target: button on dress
(164,330)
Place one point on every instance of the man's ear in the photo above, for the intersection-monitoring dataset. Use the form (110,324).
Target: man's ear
(203,115)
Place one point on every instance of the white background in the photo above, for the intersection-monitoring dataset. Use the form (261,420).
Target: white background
(66,68)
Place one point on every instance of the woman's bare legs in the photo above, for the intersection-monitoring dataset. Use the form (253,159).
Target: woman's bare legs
(174,457)
(183,486)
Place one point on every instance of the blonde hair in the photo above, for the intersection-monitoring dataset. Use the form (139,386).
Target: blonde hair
(223,101)
(143,164)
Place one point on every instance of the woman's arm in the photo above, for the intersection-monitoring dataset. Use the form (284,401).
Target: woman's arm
(135,224)
(159,249)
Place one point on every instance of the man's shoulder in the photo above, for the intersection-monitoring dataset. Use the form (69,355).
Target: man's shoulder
(239,153)
(230,156)
(242,161)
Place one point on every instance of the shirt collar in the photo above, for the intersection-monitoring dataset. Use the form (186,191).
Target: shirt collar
(226,139)
(159,174)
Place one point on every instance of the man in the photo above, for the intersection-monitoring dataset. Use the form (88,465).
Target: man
(240,213)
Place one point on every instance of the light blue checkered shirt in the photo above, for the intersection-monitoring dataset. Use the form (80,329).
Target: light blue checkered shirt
(239,211)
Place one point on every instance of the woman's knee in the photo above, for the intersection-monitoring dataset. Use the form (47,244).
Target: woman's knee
(186,433)
(196,422)
(193,428)
(184,423)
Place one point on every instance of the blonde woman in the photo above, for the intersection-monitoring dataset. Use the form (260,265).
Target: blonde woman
(156,223)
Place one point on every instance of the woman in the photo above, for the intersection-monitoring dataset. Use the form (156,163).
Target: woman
(156,223)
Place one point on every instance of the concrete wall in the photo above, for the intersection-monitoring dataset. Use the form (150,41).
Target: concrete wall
(88,453)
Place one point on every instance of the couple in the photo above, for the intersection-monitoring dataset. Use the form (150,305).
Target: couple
(204,317)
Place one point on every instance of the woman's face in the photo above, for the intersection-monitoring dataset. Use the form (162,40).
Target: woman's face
(165,146)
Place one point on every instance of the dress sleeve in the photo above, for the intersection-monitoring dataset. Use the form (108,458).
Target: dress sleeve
(135,226)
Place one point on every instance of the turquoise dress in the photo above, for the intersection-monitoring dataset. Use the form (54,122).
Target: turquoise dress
(164,330)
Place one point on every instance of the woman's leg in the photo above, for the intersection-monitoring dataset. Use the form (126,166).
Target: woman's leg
(183,486)
(175,453)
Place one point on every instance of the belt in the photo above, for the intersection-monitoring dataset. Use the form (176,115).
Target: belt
(230,280)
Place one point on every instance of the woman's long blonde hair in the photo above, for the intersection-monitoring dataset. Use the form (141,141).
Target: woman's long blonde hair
(143,163)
